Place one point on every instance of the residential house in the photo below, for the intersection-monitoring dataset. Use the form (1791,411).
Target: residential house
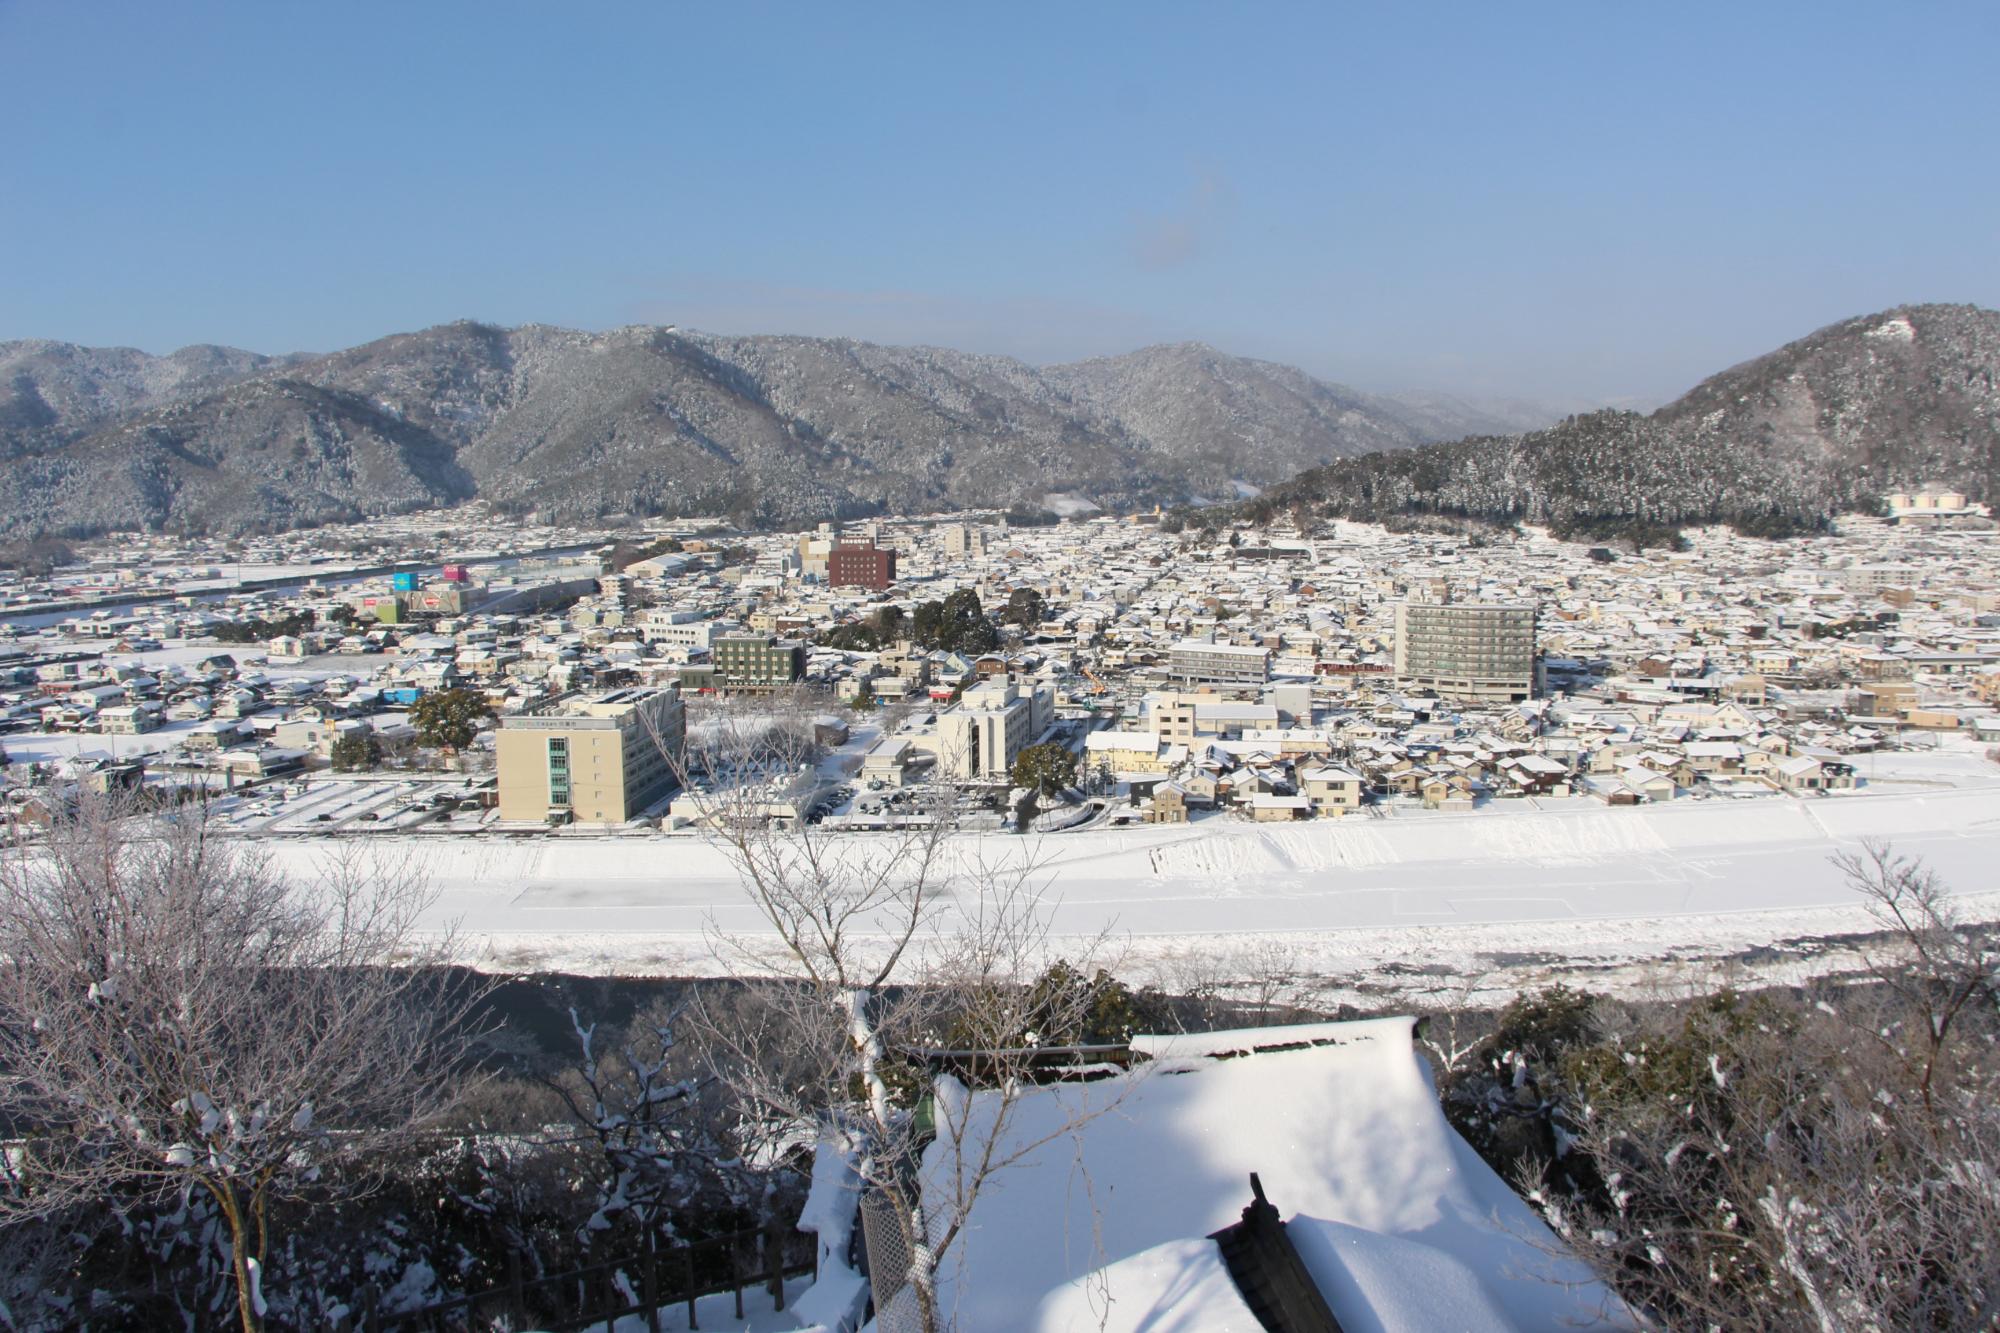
(1806,773)
(1331,790)
(1169,804)
(1269,807)
(129,719)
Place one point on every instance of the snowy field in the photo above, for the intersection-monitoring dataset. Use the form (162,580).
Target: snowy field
(1515,894)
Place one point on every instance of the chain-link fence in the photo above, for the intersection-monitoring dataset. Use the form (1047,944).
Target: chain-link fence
(886,1226)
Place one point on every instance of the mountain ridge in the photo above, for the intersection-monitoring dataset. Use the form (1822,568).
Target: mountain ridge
(571,424)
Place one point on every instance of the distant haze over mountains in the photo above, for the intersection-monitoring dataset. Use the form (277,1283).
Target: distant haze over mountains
(576,426)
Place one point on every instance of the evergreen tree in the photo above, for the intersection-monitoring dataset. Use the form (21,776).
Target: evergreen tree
(958,624)
(1025,607)
(356,750)
(1045,769)
(450,718)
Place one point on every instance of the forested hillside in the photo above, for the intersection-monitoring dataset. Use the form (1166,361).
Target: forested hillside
(1777,445)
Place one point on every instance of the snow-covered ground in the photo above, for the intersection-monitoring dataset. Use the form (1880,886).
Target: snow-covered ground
(1513,894)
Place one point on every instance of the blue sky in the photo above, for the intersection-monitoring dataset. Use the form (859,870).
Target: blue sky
(1589,202)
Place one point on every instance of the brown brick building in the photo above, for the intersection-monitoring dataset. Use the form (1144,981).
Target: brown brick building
(860,564)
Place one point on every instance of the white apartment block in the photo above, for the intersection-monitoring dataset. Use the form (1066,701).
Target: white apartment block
(961,541)
(1172,717)
(993,723)
(676,629)
(1867,580)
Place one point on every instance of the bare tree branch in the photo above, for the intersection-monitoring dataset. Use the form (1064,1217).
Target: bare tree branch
(175,1015)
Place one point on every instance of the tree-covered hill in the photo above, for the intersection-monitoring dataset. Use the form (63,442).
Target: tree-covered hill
(1778,445)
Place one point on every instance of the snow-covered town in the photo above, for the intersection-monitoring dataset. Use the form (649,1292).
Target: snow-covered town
(1224,711)
(1248,672)
(1120,668)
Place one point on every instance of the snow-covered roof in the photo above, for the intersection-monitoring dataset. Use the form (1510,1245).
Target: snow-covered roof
(1205,646)
(1400,1223)
(1329,773)
(1121,740)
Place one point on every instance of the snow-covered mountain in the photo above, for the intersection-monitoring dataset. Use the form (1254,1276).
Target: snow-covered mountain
(575,425)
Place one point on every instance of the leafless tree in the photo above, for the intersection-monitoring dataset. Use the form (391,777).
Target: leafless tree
(987,1006)
(877,947)
(842,911)
(1452,1028)
(1255,981)
(1275,978)
(1007,997)
(641,1106)
(1772,1161)
(176,1017)
(1936,966)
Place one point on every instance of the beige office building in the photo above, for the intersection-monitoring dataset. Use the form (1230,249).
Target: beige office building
(590,759)
(1474,652)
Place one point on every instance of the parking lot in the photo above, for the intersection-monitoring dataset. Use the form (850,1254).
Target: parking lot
(318,804)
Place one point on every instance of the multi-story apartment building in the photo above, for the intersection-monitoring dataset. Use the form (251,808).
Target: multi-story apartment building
(756,661)
(960,541)
(1476,652)
(993,723)
(1868,580)
(814,550)
(860,564)
(591,759)
(1202,662)
(1172,717)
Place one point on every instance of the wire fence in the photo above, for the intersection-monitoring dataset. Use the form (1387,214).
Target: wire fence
(643,1284)
(886,1228)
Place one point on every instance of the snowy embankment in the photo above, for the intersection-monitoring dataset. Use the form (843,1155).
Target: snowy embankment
(1512,893)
